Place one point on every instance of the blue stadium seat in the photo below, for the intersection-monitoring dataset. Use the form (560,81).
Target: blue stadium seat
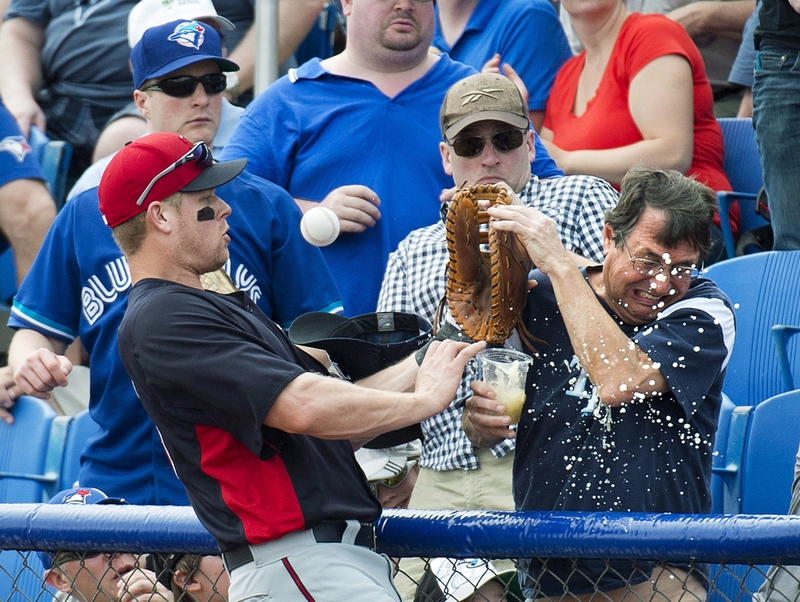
(763,288)
(81,429)
(719,459)
(54,157)
(24,449)
(761,448)
(773,438)
(21,578)
(742,163)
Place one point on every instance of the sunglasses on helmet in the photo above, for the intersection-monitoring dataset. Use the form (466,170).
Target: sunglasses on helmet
(185,85)
(200,153)
(506,140)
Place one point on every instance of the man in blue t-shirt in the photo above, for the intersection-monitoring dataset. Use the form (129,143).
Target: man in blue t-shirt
(358,133)
(78,285)
(623,396)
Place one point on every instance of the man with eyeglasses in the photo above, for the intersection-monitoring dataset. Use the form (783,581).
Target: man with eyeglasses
(624,393)
(487,139)
(78,285)
(357,133)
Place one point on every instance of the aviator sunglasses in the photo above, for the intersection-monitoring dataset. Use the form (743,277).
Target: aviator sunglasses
(185,85)
(503,141)
(199,153)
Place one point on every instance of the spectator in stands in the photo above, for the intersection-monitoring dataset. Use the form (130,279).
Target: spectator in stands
(715,26)
(78,287)
(26,207)
(296,19)
(622,399)
(357,133)
(65,69)
(742,72)
(524,33)
(454,473)
(278,485)
(99,576)
(204,114)
(637,92)
(776,108)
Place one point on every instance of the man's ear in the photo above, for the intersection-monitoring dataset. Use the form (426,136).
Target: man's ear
(182,579)
(608,239)
(55,578)
(159,218)
(141,98)
(444,150)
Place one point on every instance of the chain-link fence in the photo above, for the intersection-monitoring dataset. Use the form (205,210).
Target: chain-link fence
(500,556)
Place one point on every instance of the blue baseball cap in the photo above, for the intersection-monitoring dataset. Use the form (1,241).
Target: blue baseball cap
(77,496)
(169,47)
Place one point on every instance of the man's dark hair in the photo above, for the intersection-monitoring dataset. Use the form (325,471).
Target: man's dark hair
(688,205)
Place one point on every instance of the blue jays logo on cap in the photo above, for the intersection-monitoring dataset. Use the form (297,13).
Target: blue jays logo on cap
(16,145)
(190,34)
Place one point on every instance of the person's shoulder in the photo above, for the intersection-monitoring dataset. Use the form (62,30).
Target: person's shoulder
(310,70)
(640,24)
(433,234)
(577,183)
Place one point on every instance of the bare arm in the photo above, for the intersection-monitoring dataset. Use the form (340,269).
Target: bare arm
(38,362)
(21,43)
(724,18)
(616,365)
(661,102)
(335,409)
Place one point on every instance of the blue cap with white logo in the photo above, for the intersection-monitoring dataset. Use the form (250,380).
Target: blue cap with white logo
(169,47)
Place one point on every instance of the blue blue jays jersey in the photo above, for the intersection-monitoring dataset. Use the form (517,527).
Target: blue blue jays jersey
(78,286)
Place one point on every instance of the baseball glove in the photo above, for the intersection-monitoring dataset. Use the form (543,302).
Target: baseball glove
(487,279)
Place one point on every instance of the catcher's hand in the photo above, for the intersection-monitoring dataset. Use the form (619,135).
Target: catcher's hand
(487,280)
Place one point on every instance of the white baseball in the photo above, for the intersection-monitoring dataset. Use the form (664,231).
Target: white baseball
(319,226)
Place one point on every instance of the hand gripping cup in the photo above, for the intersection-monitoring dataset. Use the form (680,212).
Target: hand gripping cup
(505,371)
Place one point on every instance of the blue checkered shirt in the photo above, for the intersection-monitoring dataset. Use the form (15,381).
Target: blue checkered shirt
(415,282)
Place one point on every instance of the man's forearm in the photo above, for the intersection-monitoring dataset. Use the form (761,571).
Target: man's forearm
(25,341)
(615,364)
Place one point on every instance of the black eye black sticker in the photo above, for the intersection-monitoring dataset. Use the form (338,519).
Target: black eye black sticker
(205,214)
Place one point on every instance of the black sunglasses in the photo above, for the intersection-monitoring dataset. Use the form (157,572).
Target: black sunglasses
(66,556)
(185,85)
(503,141)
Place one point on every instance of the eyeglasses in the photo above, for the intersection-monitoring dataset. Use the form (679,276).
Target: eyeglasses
(506,140)
(65,556)
(651,267)
(394,481)
(200,153)
(185,85)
